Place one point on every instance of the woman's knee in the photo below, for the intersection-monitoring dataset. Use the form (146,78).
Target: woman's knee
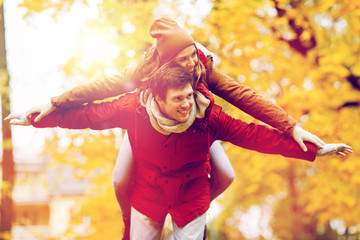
(223,179)
(222,171)
(116,183)
(124,167)
(229,177)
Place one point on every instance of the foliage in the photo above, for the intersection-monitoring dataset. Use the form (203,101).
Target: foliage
(121,25)
(303,55)
(34,7)
(92,156)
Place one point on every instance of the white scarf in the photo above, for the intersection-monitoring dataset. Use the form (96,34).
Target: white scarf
(167,126)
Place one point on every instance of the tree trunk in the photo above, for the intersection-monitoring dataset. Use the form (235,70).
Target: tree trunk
(7,184)
(295,209)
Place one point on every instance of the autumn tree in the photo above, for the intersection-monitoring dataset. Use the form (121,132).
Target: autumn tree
(303,55)
(6,208)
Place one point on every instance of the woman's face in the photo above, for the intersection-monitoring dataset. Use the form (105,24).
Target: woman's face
(187,58)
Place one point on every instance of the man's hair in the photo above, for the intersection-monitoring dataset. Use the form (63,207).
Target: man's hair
(168,77)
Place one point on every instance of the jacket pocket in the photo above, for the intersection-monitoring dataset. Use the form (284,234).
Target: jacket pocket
(195,188)
(149,191)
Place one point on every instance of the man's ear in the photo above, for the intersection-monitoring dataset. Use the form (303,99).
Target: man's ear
(159,100)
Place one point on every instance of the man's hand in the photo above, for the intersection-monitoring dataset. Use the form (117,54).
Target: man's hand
(334,148)
(18,119)
(43,110)
(300,135)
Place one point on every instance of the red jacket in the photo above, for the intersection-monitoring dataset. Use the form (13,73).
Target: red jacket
(172,171)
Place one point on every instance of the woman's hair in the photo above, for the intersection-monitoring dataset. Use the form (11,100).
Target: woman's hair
(147,66)
(199,71)
(150,63)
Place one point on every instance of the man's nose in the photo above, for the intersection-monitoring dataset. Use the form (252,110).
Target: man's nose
(186,103)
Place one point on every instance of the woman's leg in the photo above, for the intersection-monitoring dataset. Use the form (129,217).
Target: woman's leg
(222,173)
(122,180)
(194,230)
(143,227)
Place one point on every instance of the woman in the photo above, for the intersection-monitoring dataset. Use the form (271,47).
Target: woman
(175,45)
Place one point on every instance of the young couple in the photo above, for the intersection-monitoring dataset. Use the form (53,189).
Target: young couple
(172,125)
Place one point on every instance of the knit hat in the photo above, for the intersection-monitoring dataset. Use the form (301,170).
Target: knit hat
(170,38)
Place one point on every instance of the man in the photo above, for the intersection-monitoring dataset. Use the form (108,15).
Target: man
(171,128)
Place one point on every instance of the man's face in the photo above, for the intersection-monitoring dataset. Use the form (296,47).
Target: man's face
(178,103)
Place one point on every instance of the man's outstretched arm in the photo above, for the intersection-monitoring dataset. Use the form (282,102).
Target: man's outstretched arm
(95,116)
(267,140)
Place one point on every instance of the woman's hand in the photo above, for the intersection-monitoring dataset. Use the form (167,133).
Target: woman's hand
(300,135)
(43,110)
(18,119)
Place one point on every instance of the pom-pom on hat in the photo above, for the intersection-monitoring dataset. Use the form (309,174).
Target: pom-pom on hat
(170,38)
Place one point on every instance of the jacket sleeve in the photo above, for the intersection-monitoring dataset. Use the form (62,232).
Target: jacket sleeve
(98,89)
(248,101)
(259,138)
(95,116)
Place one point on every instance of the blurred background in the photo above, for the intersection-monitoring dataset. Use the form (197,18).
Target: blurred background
(301,54)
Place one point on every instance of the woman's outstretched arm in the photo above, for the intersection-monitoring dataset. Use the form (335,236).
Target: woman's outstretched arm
(257,106)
